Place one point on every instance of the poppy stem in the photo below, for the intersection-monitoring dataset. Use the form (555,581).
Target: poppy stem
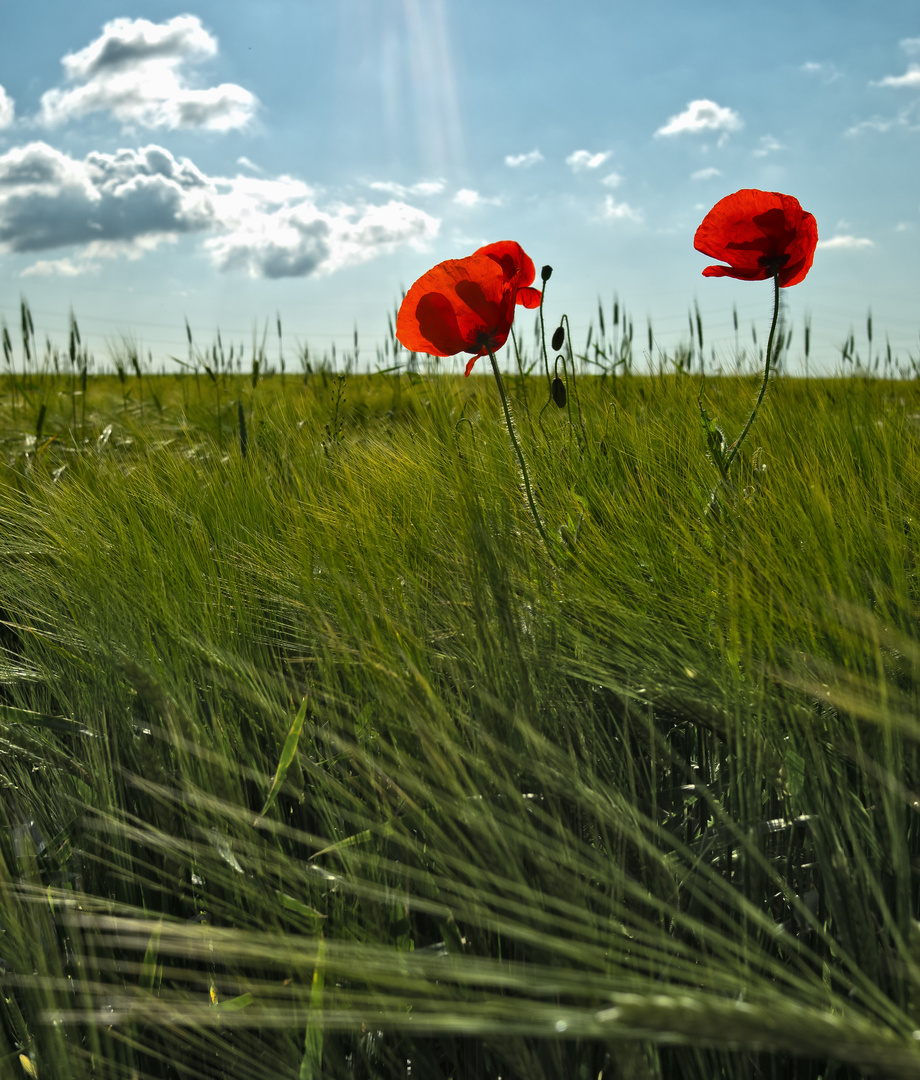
(733,453)
(538,521)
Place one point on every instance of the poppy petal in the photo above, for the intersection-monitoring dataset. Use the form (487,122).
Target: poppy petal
(734,272)
(438,324)
(460,305)
(528,297)
(513,259)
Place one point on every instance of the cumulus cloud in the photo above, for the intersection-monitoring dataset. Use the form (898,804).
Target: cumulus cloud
(130,201)
(622,211)
(275,229)
(7,109)
(845,243)
(523,161)
(699,116)
(706,174)
(423,188)
(135,70)
(584,159)
(50,200)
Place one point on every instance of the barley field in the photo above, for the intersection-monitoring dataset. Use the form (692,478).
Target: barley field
(321,756)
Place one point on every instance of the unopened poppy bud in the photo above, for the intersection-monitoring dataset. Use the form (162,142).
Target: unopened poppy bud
(559,392)
(546,273)
(558,338)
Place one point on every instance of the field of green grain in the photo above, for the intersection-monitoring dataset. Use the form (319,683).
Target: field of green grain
(318,761)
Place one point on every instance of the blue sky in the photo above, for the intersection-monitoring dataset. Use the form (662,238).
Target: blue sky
(310,158)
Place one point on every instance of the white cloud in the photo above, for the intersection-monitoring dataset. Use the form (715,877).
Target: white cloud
(911,78)
(129,202)
(275,229)
(524,161)
(702,115)
(584,159)
(612,180)
(911,45)
(877,123)
(767,145)
(620,211)
(468,197)
(7,109)
(134,70)
(51,200)
(845,243)
(247,164)
(59,268)
(827,72)
(423,188)
(907,118)
(706,174)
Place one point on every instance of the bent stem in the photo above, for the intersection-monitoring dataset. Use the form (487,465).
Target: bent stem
(733,453)
(520,453)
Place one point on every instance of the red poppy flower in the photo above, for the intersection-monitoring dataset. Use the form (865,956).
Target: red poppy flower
(759,234)
(467,305)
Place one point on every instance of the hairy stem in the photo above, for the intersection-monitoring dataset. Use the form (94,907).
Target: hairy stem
(538,521)
(733,453)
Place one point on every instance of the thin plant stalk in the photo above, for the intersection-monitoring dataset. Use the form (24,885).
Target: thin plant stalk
(733,453)
(518,451)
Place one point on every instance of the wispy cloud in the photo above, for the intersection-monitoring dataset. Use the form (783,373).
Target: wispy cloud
(845,243)
(910,45)
(423,189)
(767,145)
(622,211)
(908,117)
(876,123)
(823,70)
(706,174)
(468,197)
(59,268)
(612,180)
(700,116)
(523,161)
(135,70)
(584,159)
(129,202)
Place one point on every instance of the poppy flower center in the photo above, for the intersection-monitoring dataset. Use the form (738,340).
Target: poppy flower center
(774,261)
